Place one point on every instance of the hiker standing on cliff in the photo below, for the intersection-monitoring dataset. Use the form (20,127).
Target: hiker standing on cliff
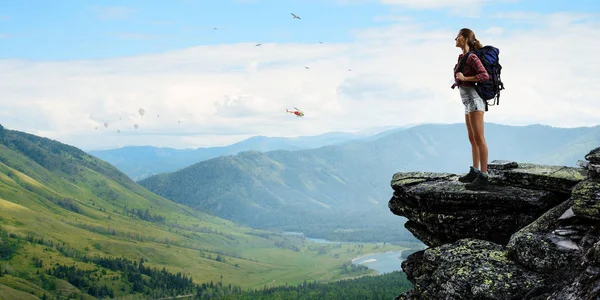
(473,71)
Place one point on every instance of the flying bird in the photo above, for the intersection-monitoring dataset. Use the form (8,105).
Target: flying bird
(257,45)
(306,67)
(295,17)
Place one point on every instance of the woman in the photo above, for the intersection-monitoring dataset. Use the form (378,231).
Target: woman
(473,71)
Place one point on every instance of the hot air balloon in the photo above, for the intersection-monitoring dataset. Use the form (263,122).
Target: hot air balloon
(105,125)
(142,111)
(135,126)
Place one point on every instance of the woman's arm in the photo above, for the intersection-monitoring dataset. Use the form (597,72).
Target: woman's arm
(470,78)
(482,74)
(475,64)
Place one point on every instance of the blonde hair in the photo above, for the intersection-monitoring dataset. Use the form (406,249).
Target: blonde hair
(472,41)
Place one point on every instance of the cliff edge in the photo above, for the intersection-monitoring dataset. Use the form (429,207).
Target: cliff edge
(533,234)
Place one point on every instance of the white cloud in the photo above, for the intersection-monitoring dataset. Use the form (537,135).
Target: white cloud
(112,12)
(462,8)
(138,36)
(494,30)
(214,95)
(517,15)
(434,3)
(393,18)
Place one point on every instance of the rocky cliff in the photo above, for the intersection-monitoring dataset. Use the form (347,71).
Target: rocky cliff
(533,234)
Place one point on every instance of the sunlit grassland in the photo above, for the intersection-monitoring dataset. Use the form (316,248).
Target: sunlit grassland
(30,277)
(23,290)
(187,241)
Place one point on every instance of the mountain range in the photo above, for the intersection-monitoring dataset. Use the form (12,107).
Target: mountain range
(72,225)
(139,162)
(341,191)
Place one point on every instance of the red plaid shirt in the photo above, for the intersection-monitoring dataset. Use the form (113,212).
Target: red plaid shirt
(473,67)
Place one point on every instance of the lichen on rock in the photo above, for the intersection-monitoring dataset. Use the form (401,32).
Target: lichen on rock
(534,176)
(533,234)
(593,156)
(441,210)
(587,199)
(468,269)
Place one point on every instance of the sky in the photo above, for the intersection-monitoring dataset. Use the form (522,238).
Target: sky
(69,67)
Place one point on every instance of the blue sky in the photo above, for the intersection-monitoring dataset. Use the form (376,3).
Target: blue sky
(69,67)
(73,29)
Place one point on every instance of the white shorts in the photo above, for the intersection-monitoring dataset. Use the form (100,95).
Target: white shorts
(471,99)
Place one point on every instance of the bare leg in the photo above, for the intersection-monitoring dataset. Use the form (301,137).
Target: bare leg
(476,120)
(474,148)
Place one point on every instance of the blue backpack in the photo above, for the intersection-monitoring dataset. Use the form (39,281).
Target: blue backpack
(489,89)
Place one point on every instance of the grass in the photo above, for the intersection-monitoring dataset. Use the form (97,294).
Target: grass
(188,241)
(8,293)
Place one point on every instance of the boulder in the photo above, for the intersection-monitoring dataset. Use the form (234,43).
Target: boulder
(533,234)
(593,156)
(560,179)
(586,197)
(441,210)
(467,269)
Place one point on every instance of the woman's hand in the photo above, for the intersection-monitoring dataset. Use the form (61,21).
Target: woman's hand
(460,76)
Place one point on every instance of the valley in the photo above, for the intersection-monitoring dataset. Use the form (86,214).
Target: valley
(72,225)
(60,207)
(341,192)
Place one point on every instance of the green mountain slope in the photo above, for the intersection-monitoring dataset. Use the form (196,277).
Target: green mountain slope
(322,191)
(139,162)
(71,224)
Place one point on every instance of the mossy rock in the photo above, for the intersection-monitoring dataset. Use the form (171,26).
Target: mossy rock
(586,195)
(545,177)
(537,249)
(593,156)
(502,165)
(470,269)
(435,229)
(401,180)
(442,211)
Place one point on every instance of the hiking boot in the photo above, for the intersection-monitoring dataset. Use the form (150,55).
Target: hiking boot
(470,176)
(480,182)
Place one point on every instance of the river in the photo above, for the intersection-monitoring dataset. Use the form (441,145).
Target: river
(381,262)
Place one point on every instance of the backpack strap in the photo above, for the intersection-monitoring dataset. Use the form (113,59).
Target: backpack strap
(463,61)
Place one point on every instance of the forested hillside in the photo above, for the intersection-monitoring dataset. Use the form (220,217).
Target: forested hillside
(341,191)
(74,226)
(140,162)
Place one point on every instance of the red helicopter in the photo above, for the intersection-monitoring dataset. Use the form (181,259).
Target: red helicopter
(297,112)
